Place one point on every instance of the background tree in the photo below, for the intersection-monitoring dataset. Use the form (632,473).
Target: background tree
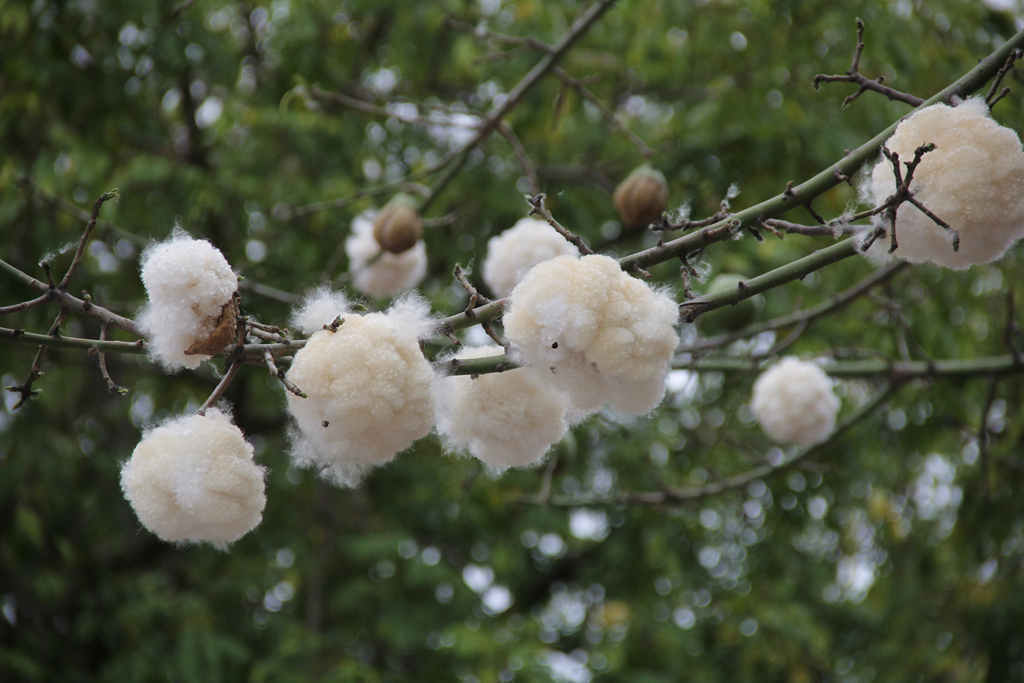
(681,545)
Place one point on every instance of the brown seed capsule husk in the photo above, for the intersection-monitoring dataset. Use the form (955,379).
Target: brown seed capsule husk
(641,197)
(224,332)
(398,226)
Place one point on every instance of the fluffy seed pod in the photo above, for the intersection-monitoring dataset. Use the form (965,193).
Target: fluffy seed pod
(727,318)
(190,314)
(794,402)
(369,388)
(512,253)
(398,226)
(378,273)
(606,336)
(193,480)
(973,180)
(641,197)
(506,419)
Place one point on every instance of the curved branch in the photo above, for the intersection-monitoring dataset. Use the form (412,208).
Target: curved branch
(676,496)
(983,366)
(808,315)
(546,63)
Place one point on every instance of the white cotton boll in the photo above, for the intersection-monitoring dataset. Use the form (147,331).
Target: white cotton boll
(606,336)
(320,307)
(188,282)
(379,273)
(369,392)
(512,253)
(193,480)
(506,419)
(973,180)
(794,402)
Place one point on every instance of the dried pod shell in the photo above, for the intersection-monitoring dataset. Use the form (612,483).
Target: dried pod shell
(224,332)
(641,197)
(398,226)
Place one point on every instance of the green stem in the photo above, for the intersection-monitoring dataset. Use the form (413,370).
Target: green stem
(36,339)
(773,278)
(808,315)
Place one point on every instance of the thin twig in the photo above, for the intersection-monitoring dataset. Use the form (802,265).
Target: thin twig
(609,116)
(101,358)
(529,170)
(222,386)
(853,75)
(25,390)
(85,237)
(25,305)
(517,93)
(994,94)
(474,297)
(826,229)
(268,358)
(983,439)
(349,102)
(537,208)
(71,302)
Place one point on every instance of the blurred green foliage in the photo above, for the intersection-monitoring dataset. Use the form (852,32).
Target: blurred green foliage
(896,556)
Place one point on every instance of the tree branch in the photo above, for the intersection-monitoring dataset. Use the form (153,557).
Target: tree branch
(982,366)
(798,195)
(808,315)
(677,496)
(72,302)
(546,63)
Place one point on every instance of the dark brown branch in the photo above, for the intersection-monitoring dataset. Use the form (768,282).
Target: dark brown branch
(101,358)
(268,358)
(85,237)
(537,208)
(475,297)
(903,194)
(994,94)
(853,75)
(72,302)
(222,386)
(25,390)
(25,305)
